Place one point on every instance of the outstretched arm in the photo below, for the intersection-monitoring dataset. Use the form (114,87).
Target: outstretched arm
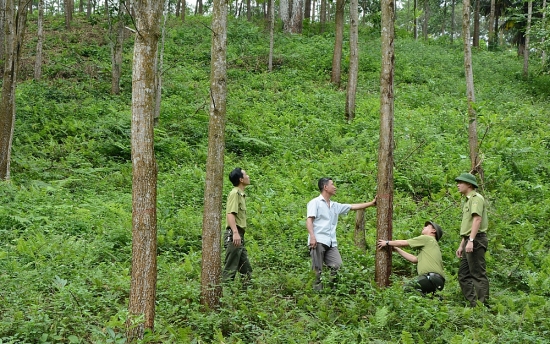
(358,206)
(411,258)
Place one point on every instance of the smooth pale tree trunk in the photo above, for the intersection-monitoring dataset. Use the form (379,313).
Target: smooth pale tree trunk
(211,290)
(338,42)
(353,59)
(117,44)
(527,36)
(384,202)
(491,26)
(475,41)
(15,24)
(470,94)
(271,33)
(359,232)
(141,305)
(453,28)
(39,42)
(323,16)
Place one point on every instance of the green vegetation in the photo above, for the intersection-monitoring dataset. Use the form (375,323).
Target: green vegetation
(65,219)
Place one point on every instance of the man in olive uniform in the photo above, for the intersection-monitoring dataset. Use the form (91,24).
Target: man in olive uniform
(431,276)
(236,257)
(472,274)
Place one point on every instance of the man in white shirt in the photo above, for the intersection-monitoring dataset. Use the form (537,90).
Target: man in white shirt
(322,218)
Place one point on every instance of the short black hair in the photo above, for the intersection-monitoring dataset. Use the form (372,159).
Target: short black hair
(322,182)
(235,176)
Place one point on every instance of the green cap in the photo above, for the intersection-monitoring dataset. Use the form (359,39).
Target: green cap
(438,230)
(468,178)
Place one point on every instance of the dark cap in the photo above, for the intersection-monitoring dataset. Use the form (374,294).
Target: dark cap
(438,230)
(468,178)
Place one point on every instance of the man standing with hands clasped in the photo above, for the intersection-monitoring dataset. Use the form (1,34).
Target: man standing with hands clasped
(322,218)
(472,274)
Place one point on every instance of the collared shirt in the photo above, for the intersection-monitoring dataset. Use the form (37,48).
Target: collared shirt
(429,257)
(325,219)
(236,204)
(474,204)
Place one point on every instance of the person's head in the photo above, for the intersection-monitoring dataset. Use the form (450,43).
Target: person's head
(432,228)
(466,182)
(326,184)
(238,176)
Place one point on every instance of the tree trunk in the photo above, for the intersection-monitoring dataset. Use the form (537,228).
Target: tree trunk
(291,15)
(359,233)
(40,40)
(491,26)
(470,94)
(183,8)
(444,19)
(178,5)
(144,172)
(68,14)
(323,16)
(476,24)
(271,33)
(415,20)
(89,9)
(384,202)
(453,28)
(211,290)
(543,55)
(307,10)
(426,20)
(2,28)
(15,24)
(353,59)
(117,44)
(338,42)
(526,49)
(248,11)
(81,6)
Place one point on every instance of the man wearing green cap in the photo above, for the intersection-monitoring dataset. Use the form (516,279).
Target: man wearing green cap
(431,277)
(472,274)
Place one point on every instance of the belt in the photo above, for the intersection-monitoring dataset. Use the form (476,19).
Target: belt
(478,235)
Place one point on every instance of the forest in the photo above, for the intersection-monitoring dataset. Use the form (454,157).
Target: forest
(69,123)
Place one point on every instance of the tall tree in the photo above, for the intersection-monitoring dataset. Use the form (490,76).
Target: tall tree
(291,15)
(543,55)
(353,59)
(491,26)
(144,171)
(426,19)
(415,20)
(453,29)
(470,94)
(68,9)
(15,24)
(338,42)
(271,35)
(116,28)
(2,28)
(211,289)
(323,16)
(40,40)
(527,36)
(384,203)
(475,39)
(307,10)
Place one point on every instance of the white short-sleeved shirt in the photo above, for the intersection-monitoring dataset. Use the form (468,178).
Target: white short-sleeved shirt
(325,219)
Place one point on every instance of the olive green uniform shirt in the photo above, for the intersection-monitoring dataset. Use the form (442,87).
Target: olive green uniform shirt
(236,204)
(429,257)
(474,204)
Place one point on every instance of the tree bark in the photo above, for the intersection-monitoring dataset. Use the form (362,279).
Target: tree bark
(211,290)
(117,44)
(426,20)
(491,26)
(384,202)
(415,20)
(453,28)
(248,11)
(271,33)
(526,49)
(144,172)
(338,42)
(353,59)
(476,24)
(359,233)
(68,14)
(543,54)
(40,40)
(323,16)
(15,25)
(307,10)
(470,94)
(2,28)
(291,15)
